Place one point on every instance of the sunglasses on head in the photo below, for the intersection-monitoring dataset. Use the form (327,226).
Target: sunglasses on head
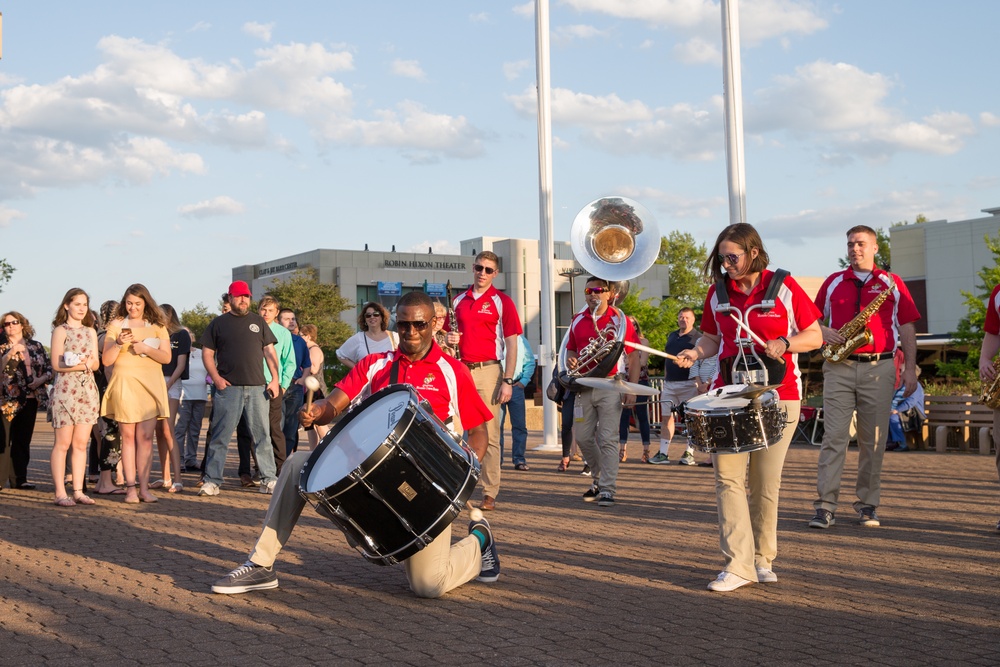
(729,259)
(419,325)
(488,270)
(596,290)
(11,323)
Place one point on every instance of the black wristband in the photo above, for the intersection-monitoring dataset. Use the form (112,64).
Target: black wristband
(785,341)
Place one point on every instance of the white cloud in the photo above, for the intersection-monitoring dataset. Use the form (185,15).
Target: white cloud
(439,247)
(481,17)
(408,68)
(8,215)
(512,71)
(525,10)
(208,208)
(849,106)
(989,119)
(568,33)
(582,108)
(697,51)
(672,204)
(261,31)
(200,26)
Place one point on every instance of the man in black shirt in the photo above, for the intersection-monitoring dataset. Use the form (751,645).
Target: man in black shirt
(677,385)
(236,346)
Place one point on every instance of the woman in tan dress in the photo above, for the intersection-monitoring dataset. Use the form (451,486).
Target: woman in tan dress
(75,400)
(138,345)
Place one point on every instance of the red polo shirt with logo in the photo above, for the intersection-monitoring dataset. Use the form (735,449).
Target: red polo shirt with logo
(992,324)
(484,322)
(441,380)
(844,295)
(582,331)
(792,312)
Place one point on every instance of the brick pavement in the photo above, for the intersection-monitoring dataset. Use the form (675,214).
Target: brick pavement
(121,585)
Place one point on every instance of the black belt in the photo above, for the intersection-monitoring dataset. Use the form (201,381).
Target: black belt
(481,364)
(871,357)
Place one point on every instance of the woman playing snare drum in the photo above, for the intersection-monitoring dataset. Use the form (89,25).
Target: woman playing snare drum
(748,527)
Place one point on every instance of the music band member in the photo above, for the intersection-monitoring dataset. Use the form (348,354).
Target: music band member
(677,386)
(748,528)
(440,566)
(987,369)
(597,435)
(488,327)
(865,381)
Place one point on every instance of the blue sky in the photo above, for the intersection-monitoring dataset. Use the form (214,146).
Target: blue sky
(165,143)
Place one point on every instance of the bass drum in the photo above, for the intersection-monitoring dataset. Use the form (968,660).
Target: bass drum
(719,423)
(390,475)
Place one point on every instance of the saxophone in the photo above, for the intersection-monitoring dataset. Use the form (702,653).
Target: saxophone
(991,394)
(856,332)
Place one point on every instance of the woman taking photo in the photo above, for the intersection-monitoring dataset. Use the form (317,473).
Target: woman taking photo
(24,370)
(75,400)
(748,528)
(137,344)
(371,337)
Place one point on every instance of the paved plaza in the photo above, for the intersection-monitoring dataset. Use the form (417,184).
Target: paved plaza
(113,584)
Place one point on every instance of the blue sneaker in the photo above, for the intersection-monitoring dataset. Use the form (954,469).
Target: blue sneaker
(490,569)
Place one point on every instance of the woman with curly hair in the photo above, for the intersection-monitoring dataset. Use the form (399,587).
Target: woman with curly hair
(138,345)
(24,370)
(75,400)
(373,335)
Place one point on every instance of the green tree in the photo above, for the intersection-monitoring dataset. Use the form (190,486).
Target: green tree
(197,320)
(685,259)
(970,327)
(320,304)
(6,270)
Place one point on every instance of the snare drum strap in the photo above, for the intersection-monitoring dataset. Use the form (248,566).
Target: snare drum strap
(722,294)
(394,370)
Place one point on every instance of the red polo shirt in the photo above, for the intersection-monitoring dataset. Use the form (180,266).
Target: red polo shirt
(484,323)
(792,312)
(582,331)
(843,296)
(441,380)
(992,324)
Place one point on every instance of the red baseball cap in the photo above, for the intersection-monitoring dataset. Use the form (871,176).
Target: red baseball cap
(239,288)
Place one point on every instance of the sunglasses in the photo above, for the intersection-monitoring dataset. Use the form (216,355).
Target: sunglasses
(378,315)
(488,270)
(419,325)
(10,323)
(730,259)
(595,290)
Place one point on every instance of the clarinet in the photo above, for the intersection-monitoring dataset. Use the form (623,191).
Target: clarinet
(452,320)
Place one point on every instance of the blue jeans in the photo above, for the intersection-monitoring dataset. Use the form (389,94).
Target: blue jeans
(518,428)
(229,405)
(641,419)
(293,400)
(187,431)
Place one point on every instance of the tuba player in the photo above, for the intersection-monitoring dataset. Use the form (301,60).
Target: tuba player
(864,379)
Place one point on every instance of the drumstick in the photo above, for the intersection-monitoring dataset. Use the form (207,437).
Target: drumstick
(758,339)
(312,384)
(475,513)
(651,350)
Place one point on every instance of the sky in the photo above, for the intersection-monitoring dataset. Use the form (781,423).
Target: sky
(166,143)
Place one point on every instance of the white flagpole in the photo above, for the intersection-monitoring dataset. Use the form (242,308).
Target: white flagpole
(546,249)
(733,92)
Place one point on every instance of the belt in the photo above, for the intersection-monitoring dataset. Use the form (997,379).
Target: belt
(481,364)
(871,357)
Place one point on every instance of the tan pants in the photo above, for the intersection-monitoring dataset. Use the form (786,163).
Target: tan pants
(432,571)
(597,435)
(488,379)
(868,388)
(996,438)
(748,528)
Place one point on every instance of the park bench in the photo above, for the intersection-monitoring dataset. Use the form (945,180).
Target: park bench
(957,420)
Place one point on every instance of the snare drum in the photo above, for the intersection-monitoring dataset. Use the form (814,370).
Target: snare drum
(718,424)
(390,475)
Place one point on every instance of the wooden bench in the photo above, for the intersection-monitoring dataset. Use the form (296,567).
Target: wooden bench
(958,418)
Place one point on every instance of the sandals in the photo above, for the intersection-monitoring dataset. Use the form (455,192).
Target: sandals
(159,484)
(521,466)
(65,501)
(563,466)
(622,455)
(176,487)
(645,455)
(81,498)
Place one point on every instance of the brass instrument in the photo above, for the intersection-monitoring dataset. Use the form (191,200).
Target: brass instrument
(990,396)
(615,239)
(856,332)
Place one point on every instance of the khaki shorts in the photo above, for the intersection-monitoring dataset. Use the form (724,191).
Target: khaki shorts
(675,393)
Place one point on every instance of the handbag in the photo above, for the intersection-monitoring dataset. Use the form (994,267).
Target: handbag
(911,420)
(554,391)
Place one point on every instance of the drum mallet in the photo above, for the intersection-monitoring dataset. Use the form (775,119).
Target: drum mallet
(475,513)
(312,384)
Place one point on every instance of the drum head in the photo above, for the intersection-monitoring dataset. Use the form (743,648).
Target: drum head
(356,437)
(716,399)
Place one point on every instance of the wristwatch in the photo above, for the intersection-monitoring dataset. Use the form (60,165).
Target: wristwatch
(509,381)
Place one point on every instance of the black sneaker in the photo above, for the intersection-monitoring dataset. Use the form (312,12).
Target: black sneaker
(867,517)
(591,494)
(823,519)
(247,577)
(586,471)
(490,569)
(605,499)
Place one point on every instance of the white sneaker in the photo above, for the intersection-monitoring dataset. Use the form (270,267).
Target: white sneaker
(766,576)
(209,489)
(727,581)
(269,487)
(687,459)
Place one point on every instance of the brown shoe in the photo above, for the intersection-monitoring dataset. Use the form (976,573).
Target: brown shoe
(489,503)
(247,481)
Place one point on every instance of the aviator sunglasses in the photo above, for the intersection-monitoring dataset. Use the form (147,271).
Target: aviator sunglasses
(419,325)
(488,270)
(729,259)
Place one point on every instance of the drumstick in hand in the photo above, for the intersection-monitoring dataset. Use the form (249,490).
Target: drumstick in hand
(475,513)
(312,384)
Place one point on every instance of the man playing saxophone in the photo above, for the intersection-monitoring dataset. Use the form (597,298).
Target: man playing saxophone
(988,367)
(859,298)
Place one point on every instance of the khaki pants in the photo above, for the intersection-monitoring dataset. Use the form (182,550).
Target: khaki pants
(432,571)
(488,379)
(868,388)
(597,435)
(996,438)
(748,528)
